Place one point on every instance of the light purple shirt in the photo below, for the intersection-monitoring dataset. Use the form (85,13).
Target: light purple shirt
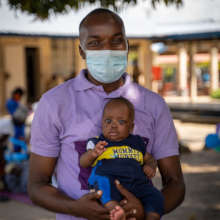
(70,113)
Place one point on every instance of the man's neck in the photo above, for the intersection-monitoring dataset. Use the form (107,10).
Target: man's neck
(108,88)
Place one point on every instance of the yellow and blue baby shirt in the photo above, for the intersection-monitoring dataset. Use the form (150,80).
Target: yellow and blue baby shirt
(120,158)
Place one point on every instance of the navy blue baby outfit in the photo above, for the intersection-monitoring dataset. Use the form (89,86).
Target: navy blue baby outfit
(123,161)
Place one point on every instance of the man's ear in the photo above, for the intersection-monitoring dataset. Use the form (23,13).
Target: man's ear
(127,48)
(128,45)
(82,53)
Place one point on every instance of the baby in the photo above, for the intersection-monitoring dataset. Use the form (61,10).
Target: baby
(118,154)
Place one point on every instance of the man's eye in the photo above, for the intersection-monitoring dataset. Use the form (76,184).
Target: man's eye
(117,41)
(93,43)
(122,122)
(108,121)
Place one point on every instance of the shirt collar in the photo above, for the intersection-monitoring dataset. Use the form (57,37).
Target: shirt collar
(82,83)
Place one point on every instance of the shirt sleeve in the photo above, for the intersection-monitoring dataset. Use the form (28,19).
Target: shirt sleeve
(165,142)
(143,144)
(44,130)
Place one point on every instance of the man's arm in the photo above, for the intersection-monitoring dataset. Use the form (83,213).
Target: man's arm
(44,194)
(173,182)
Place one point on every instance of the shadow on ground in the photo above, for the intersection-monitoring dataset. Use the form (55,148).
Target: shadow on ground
(202,178)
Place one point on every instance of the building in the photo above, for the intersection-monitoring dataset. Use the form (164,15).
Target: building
(38,62)
(190,63)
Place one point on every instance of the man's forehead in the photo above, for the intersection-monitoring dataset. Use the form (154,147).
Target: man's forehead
(98,20)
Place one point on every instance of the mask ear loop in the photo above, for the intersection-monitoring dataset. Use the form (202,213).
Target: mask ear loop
(82,47)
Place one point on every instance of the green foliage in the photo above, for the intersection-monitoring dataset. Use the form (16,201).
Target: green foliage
(167,2)
(44,8)
(215,94)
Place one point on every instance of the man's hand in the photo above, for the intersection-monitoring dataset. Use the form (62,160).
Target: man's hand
(132,206)
(88,207)
(99,148)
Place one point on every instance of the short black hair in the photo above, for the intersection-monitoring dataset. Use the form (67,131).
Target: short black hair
(102,11)
(18,90)
(124,101)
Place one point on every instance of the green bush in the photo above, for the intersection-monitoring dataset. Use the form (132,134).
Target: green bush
(216,94)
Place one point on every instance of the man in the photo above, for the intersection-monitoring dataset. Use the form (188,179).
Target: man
(71,113)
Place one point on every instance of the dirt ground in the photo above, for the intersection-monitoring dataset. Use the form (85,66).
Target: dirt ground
(202,177)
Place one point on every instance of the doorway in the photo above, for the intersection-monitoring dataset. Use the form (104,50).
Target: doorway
(32,74)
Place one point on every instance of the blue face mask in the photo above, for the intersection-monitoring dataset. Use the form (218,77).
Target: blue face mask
(106,66)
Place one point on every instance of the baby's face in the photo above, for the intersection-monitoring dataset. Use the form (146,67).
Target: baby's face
(116,122)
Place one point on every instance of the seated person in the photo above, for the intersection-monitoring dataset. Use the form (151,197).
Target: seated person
(17,176)
(19,114)
(119,155)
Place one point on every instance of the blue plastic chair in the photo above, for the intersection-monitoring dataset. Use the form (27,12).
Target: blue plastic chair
(17,157)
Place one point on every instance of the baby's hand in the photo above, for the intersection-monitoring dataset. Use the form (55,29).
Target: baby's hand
(99,148)
(150,166)
(149,171)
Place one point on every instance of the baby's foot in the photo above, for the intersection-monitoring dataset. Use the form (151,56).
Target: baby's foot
(117,213)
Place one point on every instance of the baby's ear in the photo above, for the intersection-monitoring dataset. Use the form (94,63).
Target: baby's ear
(132,127)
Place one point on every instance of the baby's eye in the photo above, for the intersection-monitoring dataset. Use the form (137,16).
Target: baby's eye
(108,121)
(122,122)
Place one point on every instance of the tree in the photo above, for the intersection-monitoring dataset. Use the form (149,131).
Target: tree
(44,8)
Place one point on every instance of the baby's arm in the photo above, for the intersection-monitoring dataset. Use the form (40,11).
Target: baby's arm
(87,159)
(150,165)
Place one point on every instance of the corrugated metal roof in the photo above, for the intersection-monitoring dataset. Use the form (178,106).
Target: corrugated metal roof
(22,34)
(168,37)
(26,34)
(188,36)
